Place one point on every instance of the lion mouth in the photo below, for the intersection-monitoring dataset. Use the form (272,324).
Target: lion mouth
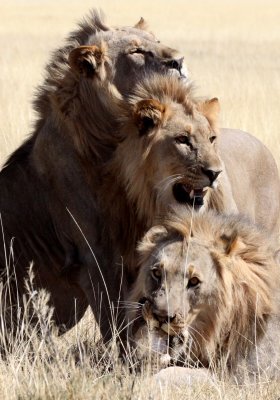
(187,195)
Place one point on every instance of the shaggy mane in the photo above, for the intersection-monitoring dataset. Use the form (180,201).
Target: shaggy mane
(165,89)
(58,66)
(246,287)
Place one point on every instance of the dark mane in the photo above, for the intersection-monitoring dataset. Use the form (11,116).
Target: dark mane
(20,153)
(58,65)
(91,24)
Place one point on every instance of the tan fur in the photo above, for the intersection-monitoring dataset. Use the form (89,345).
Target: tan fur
(141,24)
(252,184)
(211,109)
(228,312)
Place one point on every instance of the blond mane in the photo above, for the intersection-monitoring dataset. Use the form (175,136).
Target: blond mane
(244,299)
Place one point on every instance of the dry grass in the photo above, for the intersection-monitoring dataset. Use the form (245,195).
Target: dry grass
(232,50)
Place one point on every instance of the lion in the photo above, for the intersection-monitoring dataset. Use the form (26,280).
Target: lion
(174,160)
(68,201)
(48,186)
(206,287)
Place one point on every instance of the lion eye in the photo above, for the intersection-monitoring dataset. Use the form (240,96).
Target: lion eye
(212,139)
(193,282)
(183,139)
(156,274)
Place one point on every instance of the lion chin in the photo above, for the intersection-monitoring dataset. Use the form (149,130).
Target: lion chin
(201,276)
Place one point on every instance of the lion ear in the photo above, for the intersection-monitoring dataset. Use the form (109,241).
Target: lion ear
(232,244)
(141,24)
(151,238)
(210,109)
(148,114)
(87,60)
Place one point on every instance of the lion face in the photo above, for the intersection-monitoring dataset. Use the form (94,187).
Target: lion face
(206,278)
(131,52)
(135,51)
(180,285)
(186,158)
(174,158)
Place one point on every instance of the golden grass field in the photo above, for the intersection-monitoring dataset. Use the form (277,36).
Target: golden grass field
(232,49)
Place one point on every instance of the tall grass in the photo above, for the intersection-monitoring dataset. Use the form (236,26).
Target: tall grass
(232,50)
(36,363)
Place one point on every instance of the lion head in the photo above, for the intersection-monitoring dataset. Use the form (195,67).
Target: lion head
(168,155)
(130,53)
(131,50)
(208,282)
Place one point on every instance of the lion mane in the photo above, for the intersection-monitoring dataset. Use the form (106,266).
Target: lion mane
(229,290)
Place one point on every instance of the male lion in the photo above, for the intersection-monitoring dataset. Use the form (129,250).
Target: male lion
(174,158)
(207,284)
(48,185)
(65,208)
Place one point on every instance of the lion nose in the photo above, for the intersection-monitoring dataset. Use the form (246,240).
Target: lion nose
(211,174)
(175,63)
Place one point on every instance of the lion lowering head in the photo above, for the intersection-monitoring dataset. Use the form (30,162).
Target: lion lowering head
(208,282)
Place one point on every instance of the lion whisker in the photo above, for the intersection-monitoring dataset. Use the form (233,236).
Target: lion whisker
(171,178)
(122,327)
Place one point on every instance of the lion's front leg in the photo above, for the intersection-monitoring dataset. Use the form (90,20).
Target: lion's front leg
(178,349)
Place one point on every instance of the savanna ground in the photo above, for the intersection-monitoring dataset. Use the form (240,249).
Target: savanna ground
(232,49)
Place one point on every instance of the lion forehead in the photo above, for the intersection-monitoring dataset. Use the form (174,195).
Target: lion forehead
(131,31)
(119,40)
(170,256)
(185,258)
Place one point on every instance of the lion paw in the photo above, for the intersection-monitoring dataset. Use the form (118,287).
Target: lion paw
(165,360)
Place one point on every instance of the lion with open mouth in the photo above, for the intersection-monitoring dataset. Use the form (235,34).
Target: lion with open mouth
(167,157)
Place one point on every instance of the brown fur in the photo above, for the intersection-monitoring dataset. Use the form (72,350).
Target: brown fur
(227,313)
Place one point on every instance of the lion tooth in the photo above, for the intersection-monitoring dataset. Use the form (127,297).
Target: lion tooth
(191,194)
(204,189)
